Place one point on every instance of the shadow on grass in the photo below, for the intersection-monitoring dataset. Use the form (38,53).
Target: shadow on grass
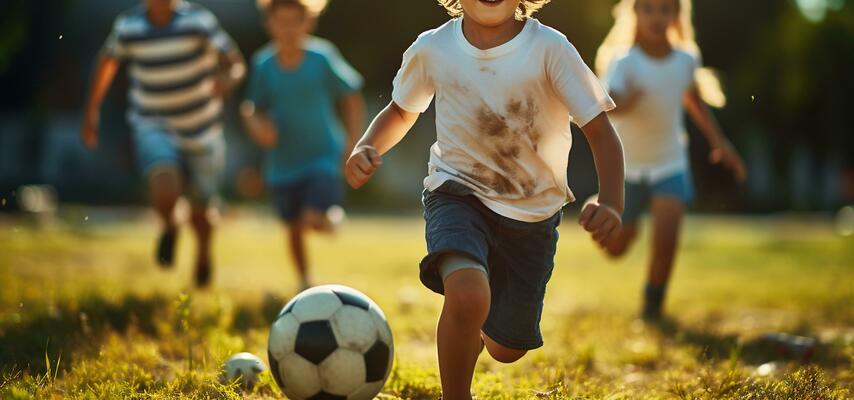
(76,328)
(249,316)
(68,327)
(718,347)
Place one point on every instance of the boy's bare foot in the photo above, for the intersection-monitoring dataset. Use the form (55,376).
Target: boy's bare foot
(165,256)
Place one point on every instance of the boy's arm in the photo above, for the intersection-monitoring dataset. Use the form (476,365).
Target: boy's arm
(234,71)
(387,129)
(723,151)
(259,126)
(352,108)
(602,217)
(102,79)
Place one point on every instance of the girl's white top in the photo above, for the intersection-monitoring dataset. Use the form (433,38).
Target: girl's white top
(653,130)
(502,114)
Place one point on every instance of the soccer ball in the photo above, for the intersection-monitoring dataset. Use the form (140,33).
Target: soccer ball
(243,368)
(330,342)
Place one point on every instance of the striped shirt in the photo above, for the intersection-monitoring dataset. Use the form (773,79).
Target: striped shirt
(173,70)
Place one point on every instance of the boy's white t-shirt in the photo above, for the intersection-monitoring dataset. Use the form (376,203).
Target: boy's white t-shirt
(502,114)
(653,130)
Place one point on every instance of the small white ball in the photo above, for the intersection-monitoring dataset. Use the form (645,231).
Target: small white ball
(243,368)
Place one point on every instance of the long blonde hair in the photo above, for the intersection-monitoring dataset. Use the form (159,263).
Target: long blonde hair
(623,36)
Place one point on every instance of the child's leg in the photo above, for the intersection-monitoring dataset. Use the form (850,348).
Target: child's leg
(203,171)
(165,186)
(296,241)
(203,228)
(501,353)
(467,298)
(667,215)
(160,161)
(323,191)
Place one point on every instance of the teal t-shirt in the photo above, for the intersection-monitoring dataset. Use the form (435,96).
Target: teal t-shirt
(303,104)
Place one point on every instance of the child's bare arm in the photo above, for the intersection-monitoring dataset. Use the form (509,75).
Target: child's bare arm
(387,129)
(602,218)
(102,79)
(233,67)
(722,150)
(259,126)
(352,109)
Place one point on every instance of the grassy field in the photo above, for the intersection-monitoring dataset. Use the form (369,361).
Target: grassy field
(84,312)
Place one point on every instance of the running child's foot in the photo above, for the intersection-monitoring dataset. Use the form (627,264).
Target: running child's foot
(165,256)
(203,274)
(651,313)
(653,303)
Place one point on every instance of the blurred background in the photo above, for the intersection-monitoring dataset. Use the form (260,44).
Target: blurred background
(786,66)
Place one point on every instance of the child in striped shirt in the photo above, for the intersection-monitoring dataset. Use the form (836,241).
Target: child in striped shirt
(181,64)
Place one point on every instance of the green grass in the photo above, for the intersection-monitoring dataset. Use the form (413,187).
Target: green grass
(84,313)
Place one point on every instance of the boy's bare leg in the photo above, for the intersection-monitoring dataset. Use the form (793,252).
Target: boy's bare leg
(467,299)
(204,229)
(165,186)
(296,232)
(667,215)
(317,220)
(500,353)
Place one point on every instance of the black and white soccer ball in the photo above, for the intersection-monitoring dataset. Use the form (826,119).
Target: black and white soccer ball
(330,342)
(243,368)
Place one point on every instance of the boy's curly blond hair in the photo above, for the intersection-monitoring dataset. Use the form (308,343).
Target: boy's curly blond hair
(526,8)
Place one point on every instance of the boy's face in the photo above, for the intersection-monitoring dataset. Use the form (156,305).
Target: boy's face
(161,5)
(288,26)
(490,13)
(655,17)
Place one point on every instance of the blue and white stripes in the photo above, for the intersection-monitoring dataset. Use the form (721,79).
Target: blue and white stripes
(173,70)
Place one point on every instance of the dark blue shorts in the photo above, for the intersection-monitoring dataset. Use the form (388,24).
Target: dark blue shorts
(316,191)
(639,194)
(519,258)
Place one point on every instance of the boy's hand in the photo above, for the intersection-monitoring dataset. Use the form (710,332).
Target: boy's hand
(89,131)
(361,165)
(223,86)
(726,155)
(264,133)
(600,220)
(266,137)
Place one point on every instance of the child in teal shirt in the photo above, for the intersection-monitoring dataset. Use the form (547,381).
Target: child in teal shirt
(297,87)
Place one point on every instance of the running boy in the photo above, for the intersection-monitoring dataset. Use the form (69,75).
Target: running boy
(297,87)
(507,88)
(182,63)
(654,74)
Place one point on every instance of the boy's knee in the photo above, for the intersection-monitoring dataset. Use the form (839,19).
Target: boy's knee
(467,296)
(503,354)
(165,180)
(199,217)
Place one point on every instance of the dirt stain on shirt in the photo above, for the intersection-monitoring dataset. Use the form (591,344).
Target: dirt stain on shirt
(511,133)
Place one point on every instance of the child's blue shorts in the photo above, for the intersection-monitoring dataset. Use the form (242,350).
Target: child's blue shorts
(202,168)
(639,195)
(317,191)
(519,258)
